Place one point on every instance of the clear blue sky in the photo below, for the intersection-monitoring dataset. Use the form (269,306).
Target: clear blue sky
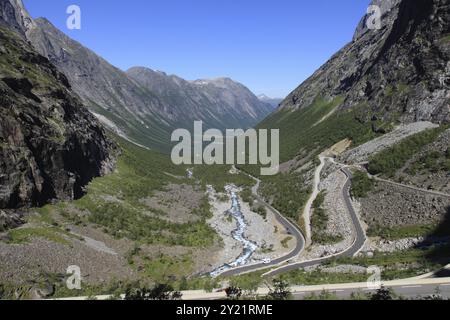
(270,46)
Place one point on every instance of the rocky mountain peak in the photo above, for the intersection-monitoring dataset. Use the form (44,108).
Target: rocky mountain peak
(398,73)
(386,7)
(14,15)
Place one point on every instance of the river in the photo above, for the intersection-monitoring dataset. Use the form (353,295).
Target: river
(249,247)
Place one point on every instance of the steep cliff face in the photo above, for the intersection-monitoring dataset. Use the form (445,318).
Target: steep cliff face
(51,146)
(14,16)
(274,102)
(398,74)
(401,72)
(386,8)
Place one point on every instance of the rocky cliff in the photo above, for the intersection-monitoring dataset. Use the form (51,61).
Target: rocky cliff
(14,16)
(399,73)
(51,146)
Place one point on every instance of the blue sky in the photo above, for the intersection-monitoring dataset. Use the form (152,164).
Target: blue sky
(270,46)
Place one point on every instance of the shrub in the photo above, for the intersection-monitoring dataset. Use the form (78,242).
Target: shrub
(361,185)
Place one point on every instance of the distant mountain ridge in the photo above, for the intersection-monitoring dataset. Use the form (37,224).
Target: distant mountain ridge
(141,104)
(105,89)
(274,102)
(398,74)
(221,103)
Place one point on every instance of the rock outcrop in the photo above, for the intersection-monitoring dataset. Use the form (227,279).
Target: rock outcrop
(13,15)
(399,73)
(51,147)
(385,7)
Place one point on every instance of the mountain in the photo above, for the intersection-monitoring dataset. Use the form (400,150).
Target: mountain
(51,146)
(14,16)
(380,107)
(221,103)
(117,100)
(399,74)
(274,102)
(141,104)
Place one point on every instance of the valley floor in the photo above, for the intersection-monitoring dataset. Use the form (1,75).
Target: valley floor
(148,225)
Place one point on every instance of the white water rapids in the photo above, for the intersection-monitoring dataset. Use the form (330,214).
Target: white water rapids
(249,247)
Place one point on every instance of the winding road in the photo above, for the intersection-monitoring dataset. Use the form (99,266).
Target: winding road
(358,243)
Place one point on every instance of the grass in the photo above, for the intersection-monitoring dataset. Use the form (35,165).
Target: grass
(287,193)
(113,204)
(44,215)
(248,282)
(247,195)
(401,232)
(218,176)
(323,296)
(304,135)
(198,283)
(251,281)
(139,174)
(446,38)
(302,132)
(397,265)
(431,162)
(362,185)
(123,221)
(392,159)
(18,59)
(300,277)
(441,229)
(166,267)
(396,90)
(403,264)
(285,242)
(24,235)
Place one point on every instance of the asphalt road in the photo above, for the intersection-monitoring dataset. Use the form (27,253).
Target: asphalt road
(407,288)
(360,238)
(290,228)
(405,291)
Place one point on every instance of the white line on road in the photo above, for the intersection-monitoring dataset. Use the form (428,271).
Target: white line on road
(411,287)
